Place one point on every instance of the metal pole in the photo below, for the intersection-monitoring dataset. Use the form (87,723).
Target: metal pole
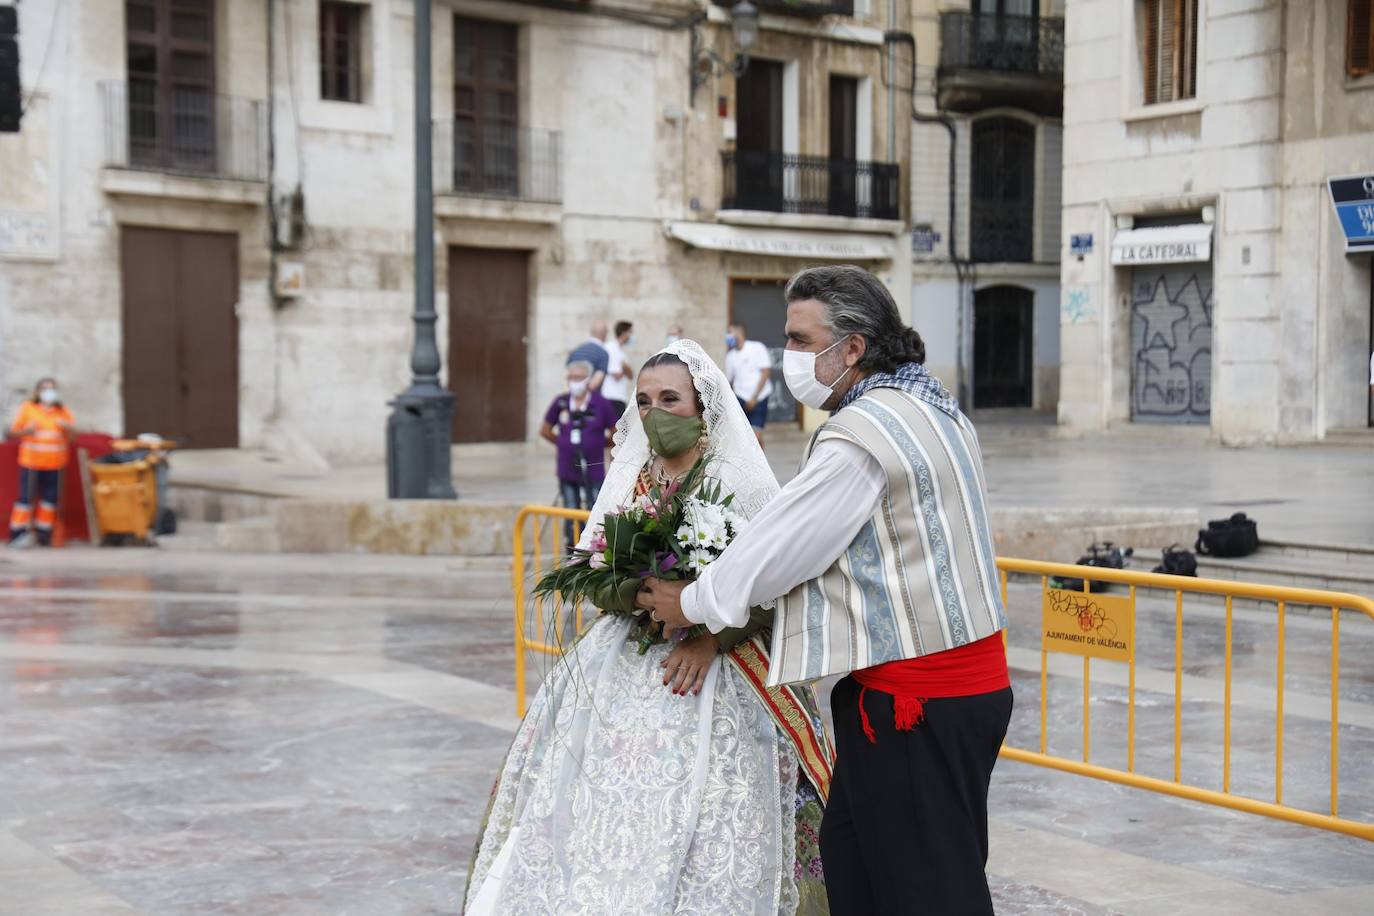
(424,359)
(419,428)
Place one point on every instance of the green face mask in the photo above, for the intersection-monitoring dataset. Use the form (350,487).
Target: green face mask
(669,434)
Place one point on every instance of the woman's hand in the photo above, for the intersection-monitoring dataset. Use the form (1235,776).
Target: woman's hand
(686,666)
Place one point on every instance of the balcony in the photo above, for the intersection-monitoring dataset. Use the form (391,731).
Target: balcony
(187,132)
(784,183)
(498,161)
(806,9)
(987,60)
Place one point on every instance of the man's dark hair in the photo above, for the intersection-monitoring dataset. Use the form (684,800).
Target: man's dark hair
(741,325)
(621,327)
(856,302)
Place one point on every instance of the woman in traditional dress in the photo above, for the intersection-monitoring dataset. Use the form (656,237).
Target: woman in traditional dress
(670,781)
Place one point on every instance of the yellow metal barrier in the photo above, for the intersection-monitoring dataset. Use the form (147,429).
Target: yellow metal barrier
(1283,597)
(529,562)
(531,549)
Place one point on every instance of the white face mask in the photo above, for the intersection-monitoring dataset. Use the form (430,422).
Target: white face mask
(577,388)
(799,371)
(630,341)
(48,396)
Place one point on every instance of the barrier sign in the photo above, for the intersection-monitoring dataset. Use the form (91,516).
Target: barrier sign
(1353,198)
(1098,626)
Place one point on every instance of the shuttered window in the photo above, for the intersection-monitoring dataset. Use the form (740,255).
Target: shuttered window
(1168,38)
(1359,38)
(341,41)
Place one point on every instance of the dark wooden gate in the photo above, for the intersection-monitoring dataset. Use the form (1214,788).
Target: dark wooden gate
(181,335)
(488,293)
(1003,347)
(760,306)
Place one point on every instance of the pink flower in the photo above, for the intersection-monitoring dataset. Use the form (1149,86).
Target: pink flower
(598,541)
(598,561)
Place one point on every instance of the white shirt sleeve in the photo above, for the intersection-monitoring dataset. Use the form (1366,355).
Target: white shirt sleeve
(795,538)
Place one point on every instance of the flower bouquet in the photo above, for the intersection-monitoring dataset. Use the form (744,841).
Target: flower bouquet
(671,532)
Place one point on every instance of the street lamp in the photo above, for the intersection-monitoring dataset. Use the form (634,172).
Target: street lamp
(419,430)
(744,29)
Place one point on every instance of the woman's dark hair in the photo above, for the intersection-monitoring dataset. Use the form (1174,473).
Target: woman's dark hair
(672,359)
(856,302)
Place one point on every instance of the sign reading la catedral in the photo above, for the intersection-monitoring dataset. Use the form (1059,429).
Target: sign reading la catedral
(1098,626)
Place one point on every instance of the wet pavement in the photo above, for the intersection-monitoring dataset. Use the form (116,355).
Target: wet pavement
(1313,493)
(201,733)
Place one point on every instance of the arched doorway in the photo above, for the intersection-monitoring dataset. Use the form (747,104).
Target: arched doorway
(1003,347)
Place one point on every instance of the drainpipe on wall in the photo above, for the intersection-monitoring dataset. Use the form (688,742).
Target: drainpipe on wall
(962,267)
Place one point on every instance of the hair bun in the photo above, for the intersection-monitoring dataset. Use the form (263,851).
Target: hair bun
(914,345)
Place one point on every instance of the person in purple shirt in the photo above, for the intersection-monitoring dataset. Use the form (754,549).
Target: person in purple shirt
(580,423)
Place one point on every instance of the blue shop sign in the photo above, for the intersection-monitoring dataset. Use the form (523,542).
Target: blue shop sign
(1080,245)
(1353,198)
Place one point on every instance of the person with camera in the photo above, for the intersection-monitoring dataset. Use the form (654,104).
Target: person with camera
(580,423)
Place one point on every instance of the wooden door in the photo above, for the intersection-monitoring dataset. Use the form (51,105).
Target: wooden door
(1003,342)
(180,335)
(488,293)
(758,149)
(844,146)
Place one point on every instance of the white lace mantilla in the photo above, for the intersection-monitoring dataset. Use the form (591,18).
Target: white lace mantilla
(620,798)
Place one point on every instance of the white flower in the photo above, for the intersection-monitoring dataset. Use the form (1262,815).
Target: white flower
(698,560)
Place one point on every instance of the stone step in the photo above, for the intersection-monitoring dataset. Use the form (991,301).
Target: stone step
(1329,567)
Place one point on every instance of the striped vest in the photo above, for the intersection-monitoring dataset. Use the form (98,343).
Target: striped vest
(920,576)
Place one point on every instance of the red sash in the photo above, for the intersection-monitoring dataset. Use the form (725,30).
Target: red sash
(979,667)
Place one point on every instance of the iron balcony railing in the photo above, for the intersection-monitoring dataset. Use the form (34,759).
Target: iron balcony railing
(479,159)
(802,8)
(987,41)
(184,131)
(784,183)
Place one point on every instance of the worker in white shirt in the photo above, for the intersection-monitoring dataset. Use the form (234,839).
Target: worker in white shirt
(749,368)
(616,387)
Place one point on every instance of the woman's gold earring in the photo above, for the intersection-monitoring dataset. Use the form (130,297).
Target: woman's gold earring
(703,442)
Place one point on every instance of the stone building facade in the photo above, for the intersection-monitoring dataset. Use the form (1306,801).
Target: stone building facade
(206,219)
(1214,286)
(989,79)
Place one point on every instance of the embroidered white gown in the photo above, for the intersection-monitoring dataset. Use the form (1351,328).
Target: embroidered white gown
(619,797)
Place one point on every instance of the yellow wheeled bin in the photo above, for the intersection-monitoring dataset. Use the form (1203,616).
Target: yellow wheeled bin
(128,487)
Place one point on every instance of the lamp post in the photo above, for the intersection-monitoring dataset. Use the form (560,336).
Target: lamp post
(744,28)
(419,429)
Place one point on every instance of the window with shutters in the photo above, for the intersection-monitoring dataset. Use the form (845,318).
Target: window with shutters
(171,83)
(1359,37)
(1167,30)
(486,93)
(341,51)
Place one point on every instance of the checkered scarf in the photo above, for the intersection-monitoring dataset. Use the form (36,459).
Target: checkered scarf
(913,378)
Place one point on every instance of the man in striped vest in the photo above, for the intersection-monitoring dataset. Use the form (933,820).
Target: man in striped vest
(879,557)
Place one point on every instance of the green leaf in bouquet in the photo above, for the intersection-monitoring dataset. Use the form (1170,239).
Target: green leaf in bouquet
(618,595)
(620,538)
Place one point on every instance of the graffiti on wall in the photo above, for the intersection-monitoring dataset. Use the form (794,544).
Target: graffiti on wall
(1171,344)
(1078,305)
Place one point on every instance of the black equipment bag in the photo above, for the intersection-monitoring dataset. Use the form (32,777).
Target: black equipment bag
(1105,555)
(1177,561)
(1237,536)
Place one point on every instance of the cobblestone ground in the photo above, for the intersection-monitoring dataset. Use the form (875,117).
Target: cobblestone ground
(193,733)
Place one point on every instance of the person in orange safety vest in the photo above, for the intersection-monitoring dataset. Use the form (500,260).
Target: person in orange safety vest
(43,427)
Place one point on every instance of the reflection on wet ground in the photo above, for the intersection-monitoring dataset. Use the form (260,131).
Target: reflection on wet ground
(190,733)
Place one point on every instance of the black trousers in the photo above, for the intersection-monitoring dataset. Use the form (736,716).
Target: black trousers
(906,828)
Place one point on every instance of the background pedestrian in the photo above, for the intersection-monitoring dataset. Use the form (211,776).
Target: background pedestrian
(616,388)
(580,423)
(593,351)
(749,369)
(43,427)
